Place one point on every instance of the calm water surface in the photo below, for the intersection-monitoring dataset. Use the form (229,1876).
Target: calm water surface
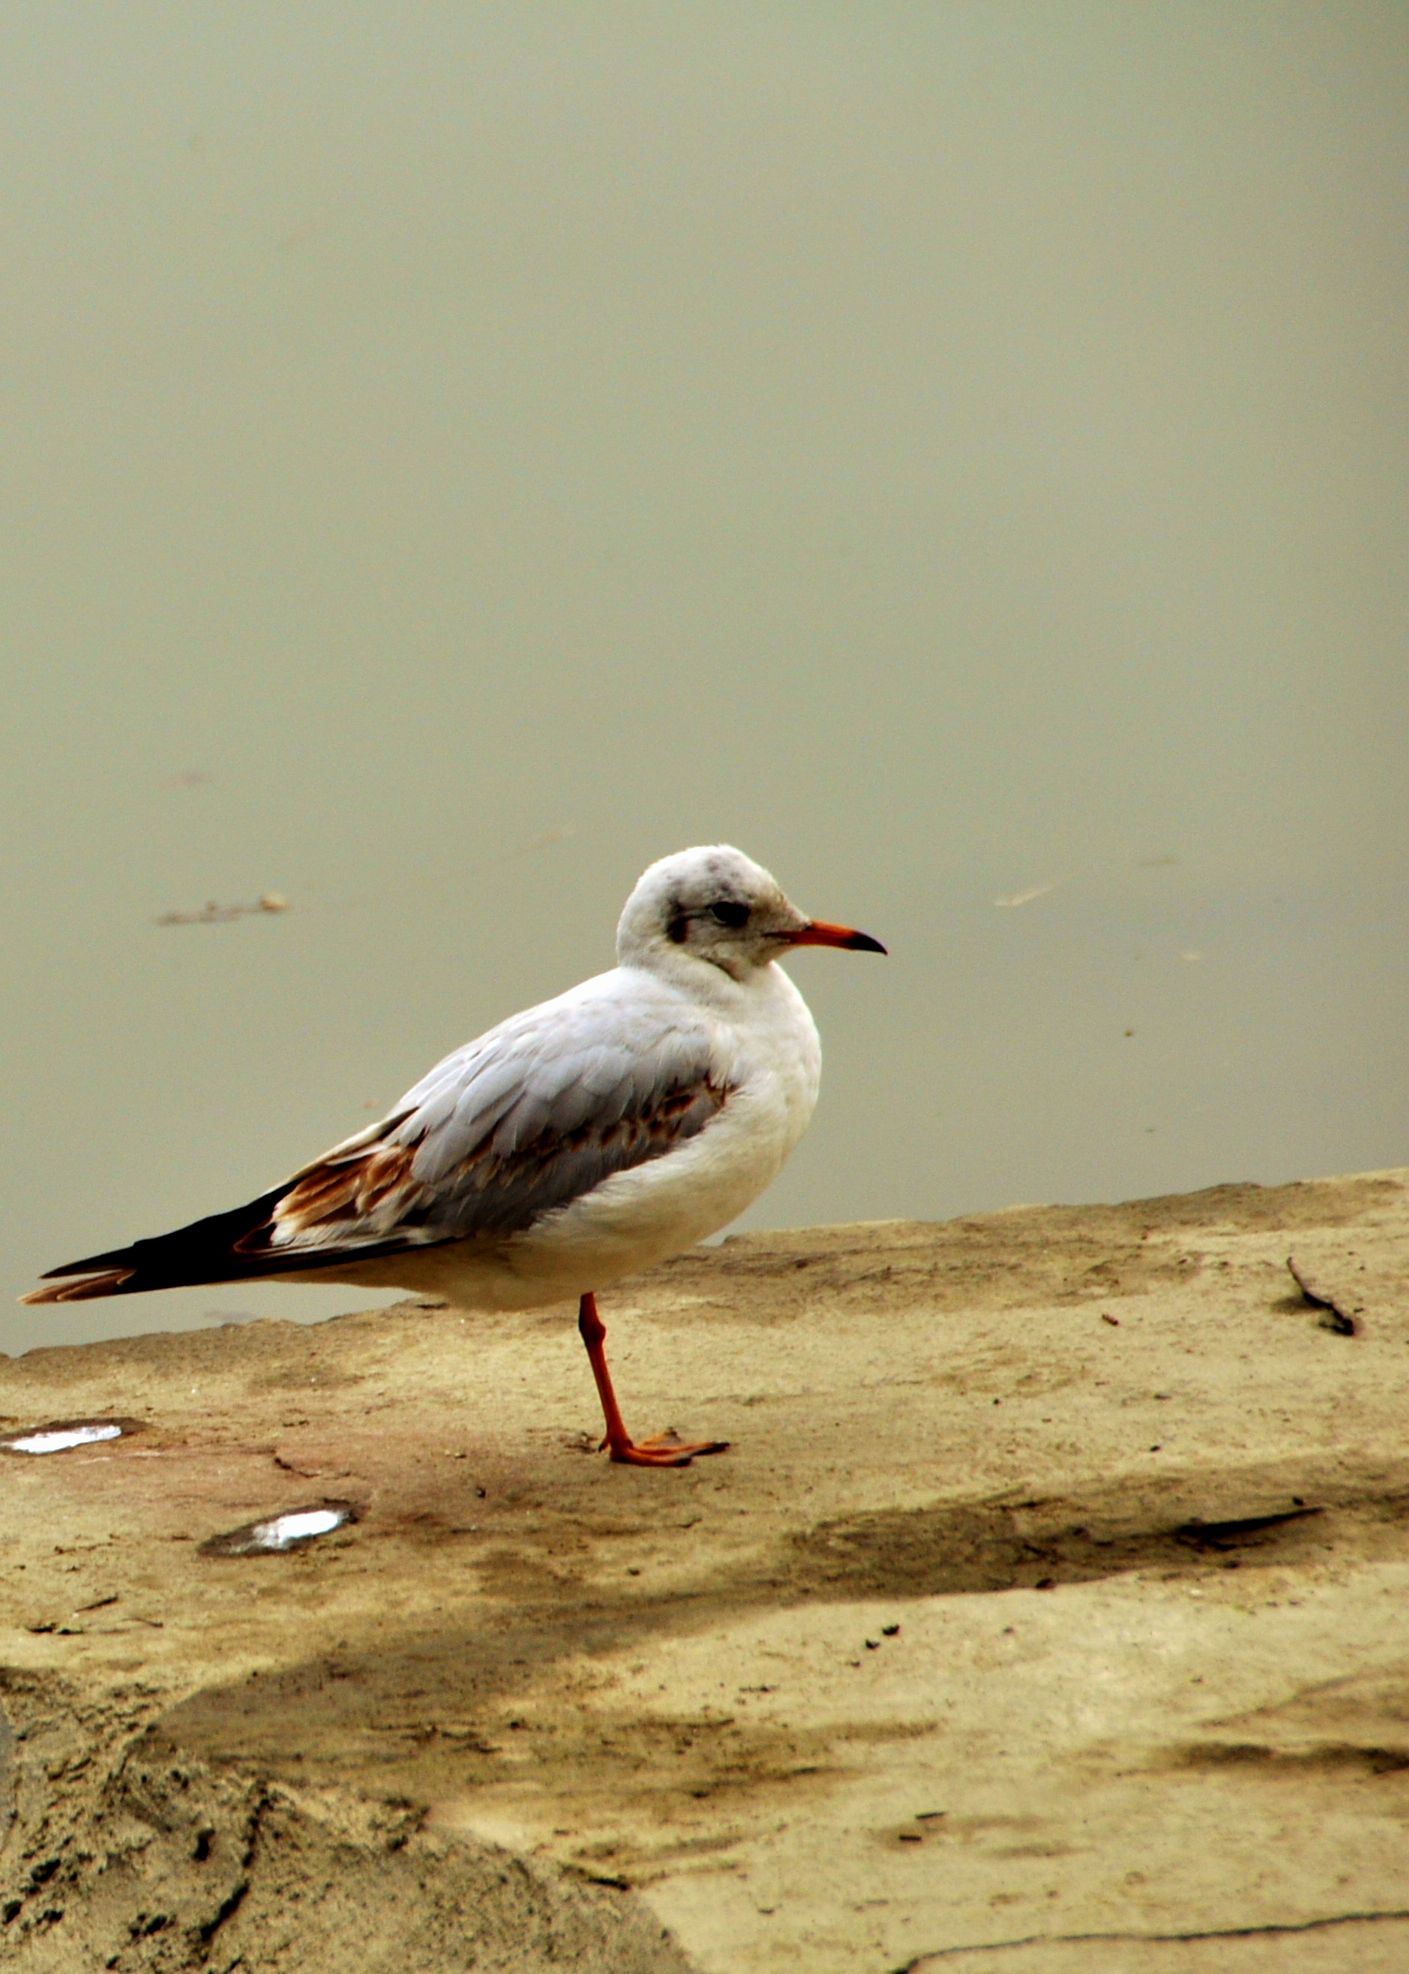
(956,454)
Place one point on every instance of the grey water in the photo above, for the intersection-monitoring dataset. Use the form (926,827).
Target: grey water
(454,457)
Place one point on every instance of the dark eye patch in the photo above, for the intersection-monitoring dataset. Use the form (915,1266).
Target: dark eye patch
(727,911)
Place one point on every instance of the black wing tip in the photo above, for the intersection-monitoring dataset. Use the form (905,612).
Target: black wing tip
(205,1251)
(120,1257)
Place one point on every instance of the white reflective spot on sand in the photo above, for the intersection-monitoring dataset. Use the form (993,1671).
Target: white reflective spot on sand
(300,1527)
(62,1439)
(279,1533)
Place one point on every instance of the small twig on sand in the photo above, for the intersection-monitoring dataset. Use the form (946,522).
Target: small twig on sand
(1343,1322)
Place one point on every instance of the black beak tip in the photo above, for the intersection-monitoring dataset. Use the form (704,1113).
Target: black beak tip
(862,942)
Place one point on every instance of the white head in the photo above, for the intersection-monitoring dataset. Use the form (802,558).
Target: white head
(717,906)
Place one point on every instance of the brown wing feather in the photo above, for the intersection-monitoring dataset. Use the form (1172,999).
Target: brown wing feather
(487,1193)
(349,1189)
(88,1289)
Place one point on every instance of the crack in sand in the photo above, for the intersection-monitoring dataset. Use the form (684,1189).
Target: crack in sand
(1183,1936)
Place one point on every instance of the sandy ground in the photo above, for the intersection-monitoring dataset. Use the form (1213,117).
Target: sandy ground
(1050,1612)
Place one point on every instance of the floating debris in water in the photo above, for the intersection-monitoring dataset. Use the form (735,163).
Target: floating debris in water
(63,1435)
(1034,891)
(212,913)
(279,1533)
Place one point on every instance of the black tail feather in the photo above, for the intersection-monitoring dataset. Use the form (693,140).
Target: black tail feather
(208,1250)
(224,1247)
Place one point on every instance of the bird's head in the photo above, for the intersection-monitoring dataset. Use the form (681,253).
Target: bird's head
(716,905)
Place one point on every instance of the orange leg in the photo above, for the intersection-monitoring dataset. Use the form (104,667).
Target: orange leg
(660,1452)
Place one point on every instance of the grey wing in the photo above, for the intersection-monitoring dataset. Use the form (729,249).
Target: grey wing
(529,1118)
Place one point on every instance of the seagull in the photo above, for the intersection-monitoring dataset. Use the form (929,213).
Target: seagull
(573,1144)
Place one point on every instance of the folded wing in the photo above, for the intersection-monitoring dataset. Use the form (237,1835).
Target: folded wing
(532,1116)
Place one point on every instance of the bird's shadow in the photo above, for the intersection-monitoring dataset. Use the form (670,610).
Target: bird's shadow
(437,1698)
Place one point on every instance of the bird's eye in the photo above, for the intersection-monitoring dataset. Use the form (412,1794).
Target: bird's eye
(728,912)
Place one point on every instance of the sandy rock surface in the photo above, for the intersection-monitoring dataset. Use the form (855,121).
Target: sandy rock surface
(1050,1612)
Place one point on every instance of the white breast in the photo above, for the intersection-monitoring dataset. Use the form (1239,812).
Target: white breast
(771,1057)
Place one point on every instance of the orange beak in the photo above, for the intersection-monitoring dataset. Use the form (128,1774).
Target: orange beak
(817,932)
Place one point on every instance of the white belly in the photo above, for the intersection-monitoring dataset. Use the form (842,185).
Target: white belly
(637,1218)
